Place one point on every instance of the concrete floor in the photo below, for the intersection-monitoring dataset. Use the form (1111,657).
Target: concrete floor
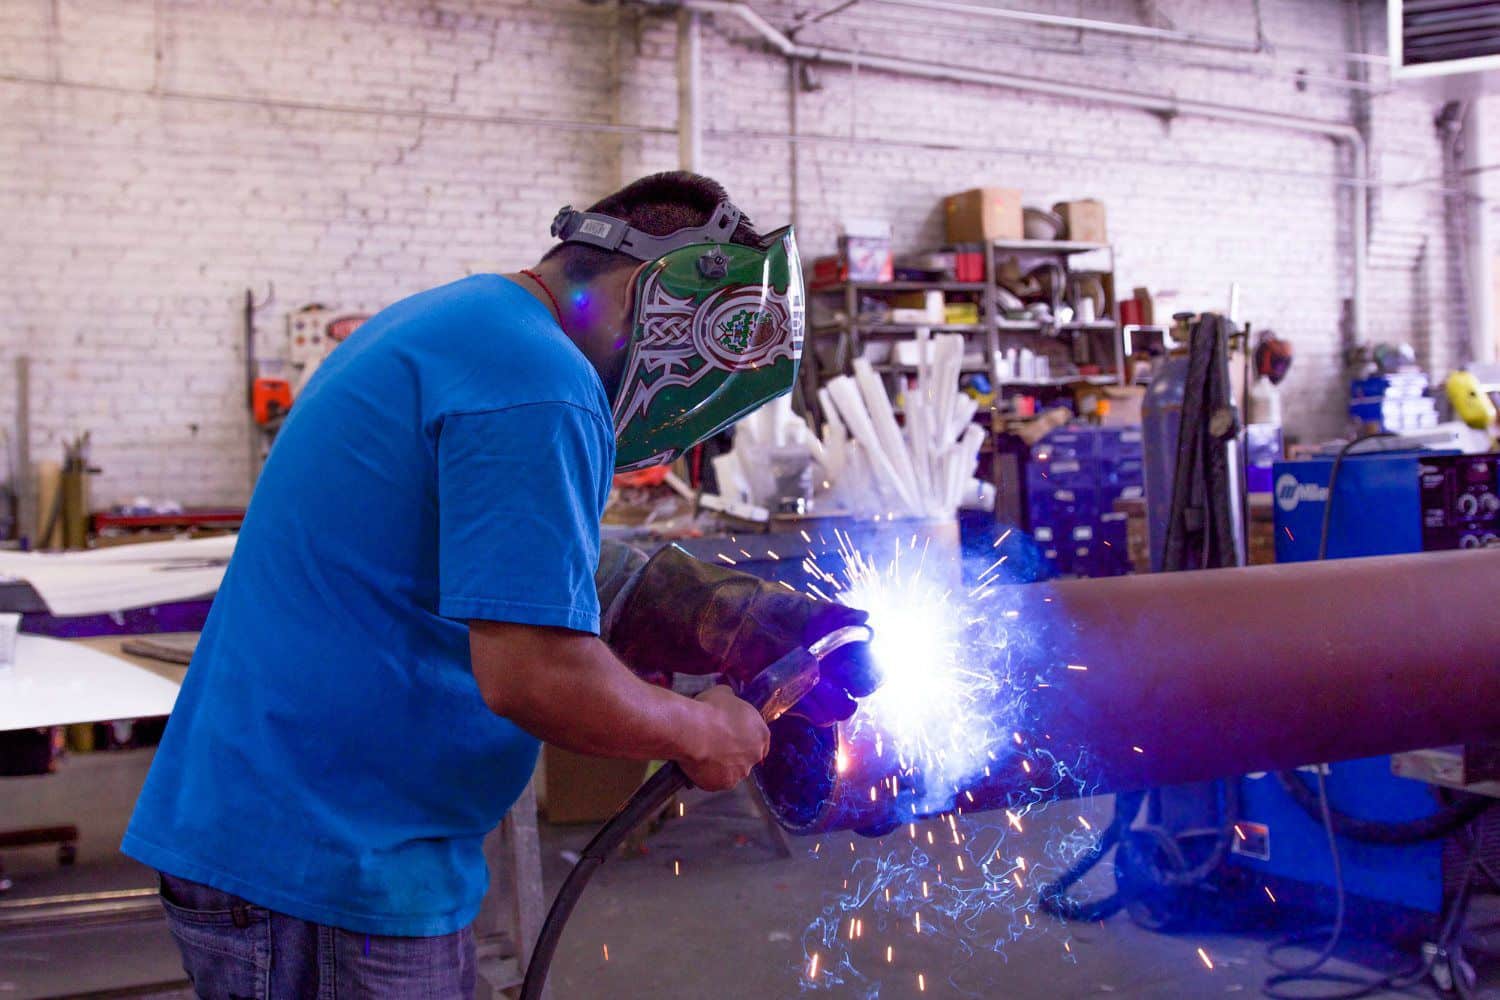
(730,926)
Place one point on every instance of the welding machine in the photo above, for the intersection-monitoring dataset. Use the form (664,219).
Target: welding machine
(1382,503)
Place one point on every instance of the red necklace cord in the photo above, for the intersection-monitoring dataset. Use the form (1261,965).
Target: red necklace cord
(543,286)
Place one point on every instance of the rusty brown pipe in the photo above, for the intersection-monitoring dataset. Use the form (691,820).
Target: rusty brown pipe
(1210,674)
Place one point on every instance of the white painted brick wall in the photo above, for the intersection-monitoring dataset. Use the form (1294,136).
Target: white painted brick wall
(226,144)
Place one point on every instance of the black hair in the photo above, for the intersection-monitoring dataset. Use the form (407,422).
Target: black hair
(659,205)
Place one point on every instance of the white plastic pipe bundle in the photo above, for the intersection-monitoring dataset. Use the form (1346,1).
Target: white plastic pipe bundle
(925,469)
(746,472)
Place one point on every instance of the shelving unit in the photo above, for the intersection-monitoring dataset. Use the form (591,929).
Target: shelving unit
(849,336)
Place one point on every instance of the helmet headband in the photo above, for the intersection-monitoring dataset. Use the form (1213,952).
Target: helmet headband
(617,236)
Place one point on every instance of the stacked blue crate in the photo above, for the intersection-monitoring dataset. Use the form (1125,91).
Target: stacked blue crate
(1072,482)
(1395,402)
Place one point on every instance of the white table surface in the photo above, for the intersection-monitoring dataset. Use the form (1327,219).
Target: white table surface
(57,682)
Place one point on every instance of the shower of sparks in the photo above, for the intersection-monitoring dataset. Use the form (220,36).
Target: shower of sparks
(950,715)
(935,712)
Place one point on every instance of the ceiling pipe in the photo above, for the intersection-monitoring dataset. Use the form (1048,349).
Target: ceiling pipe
(1078,24)
(1164,106)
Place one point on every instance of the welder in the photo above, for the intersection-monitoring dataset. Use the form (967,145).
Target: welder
(417,597)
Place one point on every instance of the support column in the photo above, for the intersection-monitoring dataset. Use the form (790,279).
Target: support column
(1480,251)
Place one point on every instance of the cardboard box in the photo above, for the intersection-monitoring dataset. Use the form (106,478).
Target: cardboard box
(917,307)
(1083,220)
(983,214)
(581,789)
(1125,402)
(1148,306)
(866,258)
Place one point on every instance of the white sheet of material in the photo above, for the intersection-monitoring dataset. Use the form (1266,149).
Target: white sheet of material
(121,577)
(56,683)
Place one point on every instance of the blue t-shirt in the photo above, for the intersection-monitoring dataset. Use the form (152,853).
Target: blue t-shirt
(330,756)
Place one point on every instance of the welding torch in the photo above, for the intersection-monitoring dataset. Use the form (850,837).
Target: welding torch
(773,692)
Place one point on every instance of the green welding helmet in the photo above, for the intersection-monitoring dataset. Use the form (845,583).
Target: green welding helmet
(716,332)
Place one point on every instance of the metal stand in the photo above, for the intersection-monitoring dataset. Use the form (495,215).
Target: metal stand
(1205,527)
(780,842)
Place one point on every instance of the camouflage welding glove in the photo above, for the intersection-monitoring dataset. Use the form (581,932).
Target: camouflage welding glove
(681,615)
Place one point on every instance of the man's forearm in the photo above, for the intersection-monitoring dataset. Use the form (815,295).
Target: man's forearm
(583,699)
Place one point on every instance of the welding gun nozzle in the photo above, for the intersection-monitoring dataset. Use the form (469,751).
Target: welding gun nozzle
(839,638)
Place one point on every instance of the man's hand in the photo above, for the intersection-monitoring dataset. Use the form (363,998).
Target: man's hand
(567,688)
(736,740)
(681,615)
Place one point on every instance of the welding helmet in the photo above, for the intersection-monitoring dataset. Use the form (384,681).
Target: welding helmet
(715,331)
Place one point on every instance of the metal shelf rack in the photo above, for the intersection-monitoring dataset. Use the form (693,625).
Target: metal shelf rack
(998,331)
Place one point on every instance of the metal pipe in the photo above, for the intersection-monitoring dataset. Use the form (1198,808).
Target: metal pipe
(1482,327)
(21,485)
(1166,106)
(323,107)
(1359,224)
(1166,678)
(689,90)
(80,909)
(1079,24)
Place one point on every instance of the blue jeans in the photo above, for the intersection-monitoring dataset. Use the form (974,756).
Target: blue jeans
(232,950)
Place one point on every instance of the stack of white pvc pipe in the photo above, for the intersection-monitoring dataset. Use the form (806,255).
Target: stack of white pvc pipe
(867,463)
(746,472)
(922,470)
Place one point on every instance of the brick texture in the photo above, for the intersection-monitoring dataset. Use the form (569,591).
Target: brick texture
(159,158)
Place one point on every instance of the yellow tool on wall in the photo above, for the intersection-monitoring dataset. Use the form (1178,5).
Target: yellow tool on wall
(1471,403)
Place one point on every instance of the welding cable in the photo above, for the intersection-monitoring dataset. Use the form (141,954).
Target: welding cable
(773,691)
(1446,821)
(1182,874)
(647,801)
(1310,971)
(1443,948)
(1136,853)
(1333,481)
(1054,895)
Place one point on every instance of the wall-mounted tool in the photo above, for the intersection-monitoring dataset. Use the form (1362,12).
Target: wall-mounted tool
(312,333)
(270,398)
